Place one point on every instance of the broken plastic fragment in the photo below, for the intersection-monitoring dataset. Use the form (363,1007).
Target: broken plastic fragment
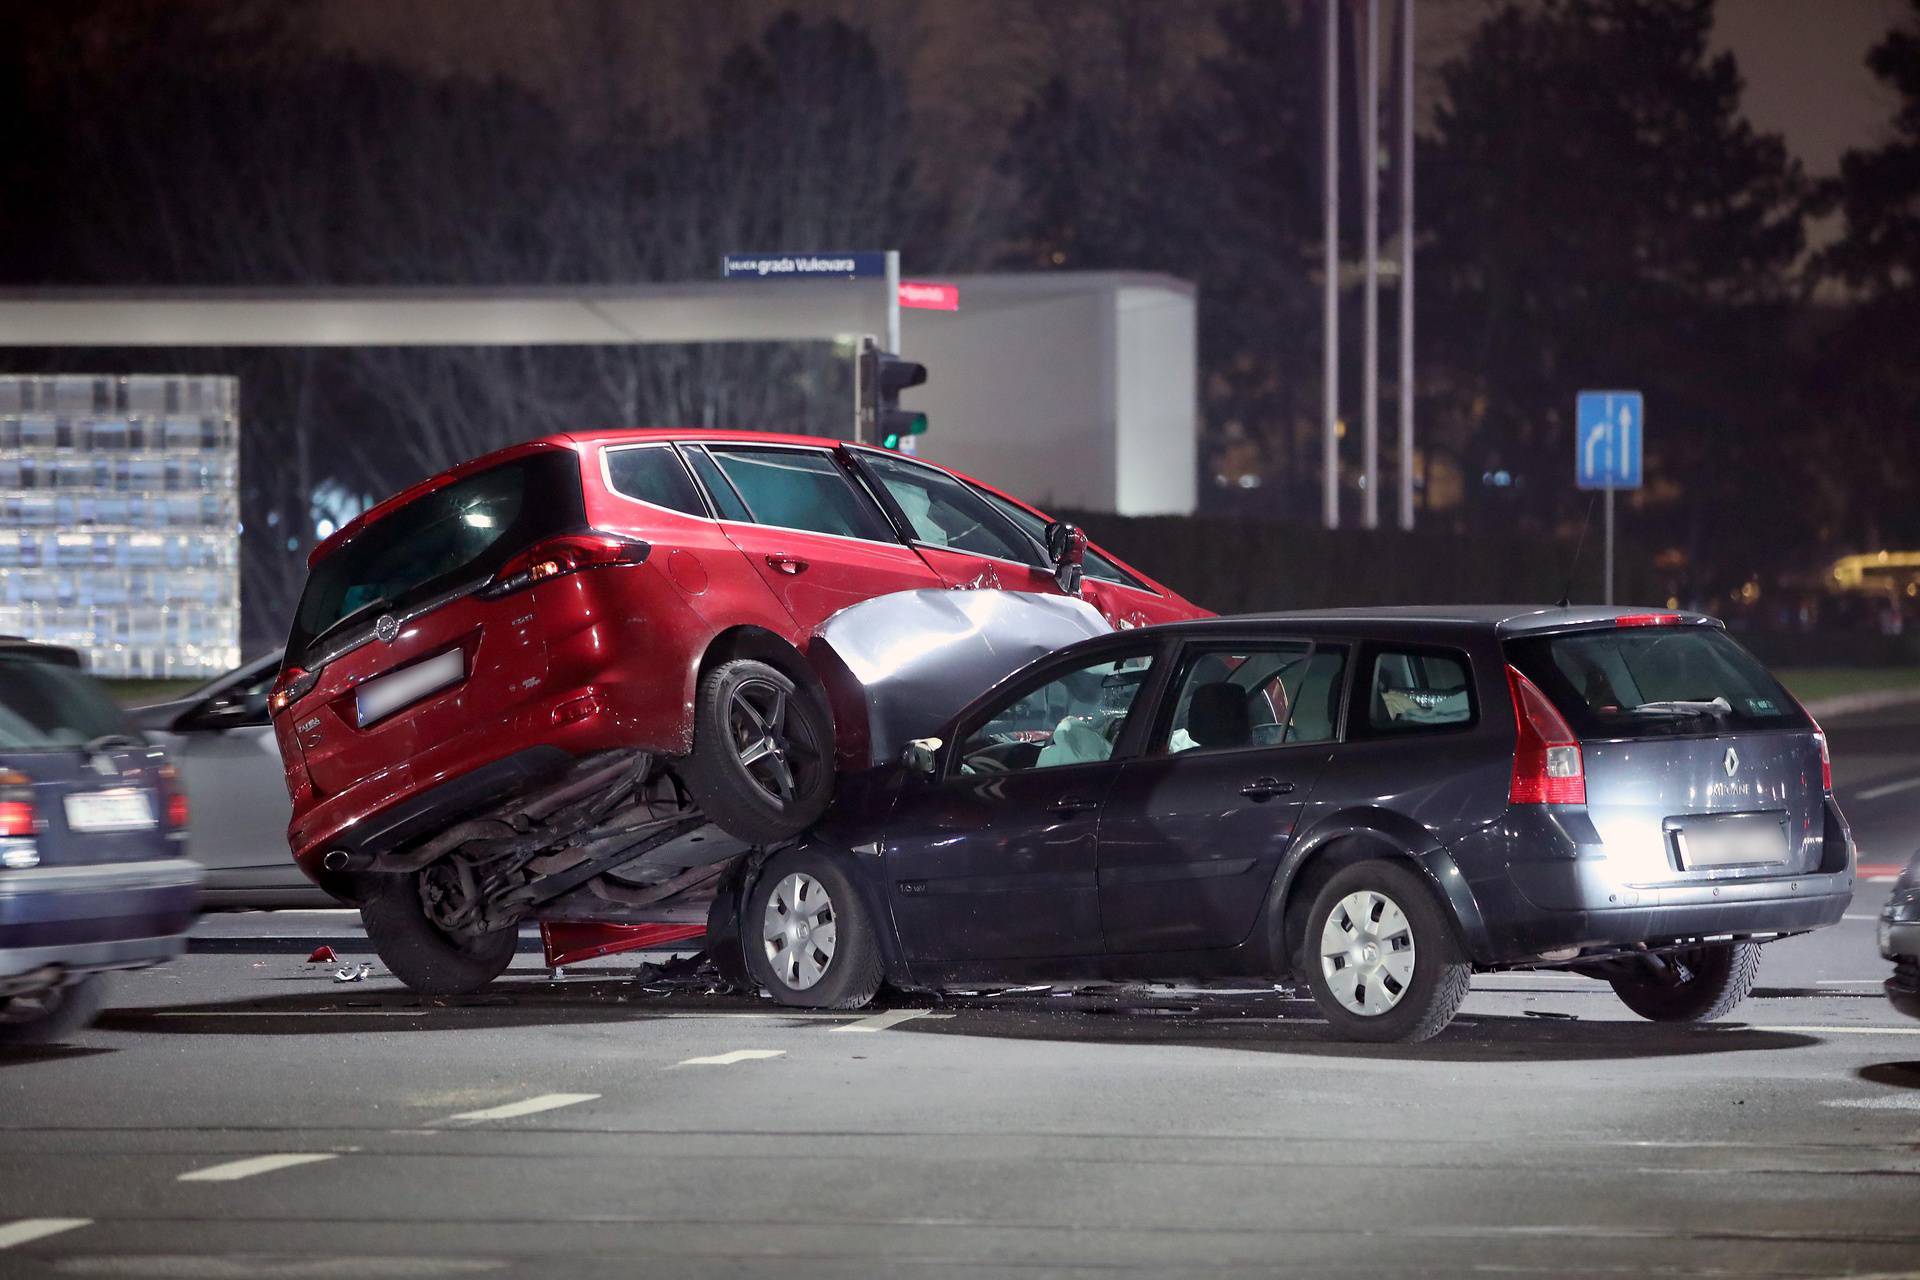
(322,955)
(351,974)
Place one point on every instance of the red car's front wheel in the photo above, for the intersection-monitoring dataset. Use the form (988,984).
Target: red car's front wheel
(762,762)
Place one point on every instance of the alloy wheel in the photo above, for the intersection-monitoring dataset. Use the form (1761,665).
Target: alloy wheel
(772,745)
(1367,953)
(799,931)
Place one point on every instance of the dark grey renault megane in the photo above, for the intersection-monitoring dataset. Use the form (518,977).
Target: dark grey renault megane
(1378,803)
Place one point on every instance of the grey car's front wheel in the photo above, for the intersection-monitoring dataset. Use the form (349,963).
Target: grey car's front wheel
(1380,955)
(1695,985)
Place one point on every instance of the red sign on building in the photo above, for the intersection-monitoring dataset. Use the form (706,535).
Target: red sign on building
(927,296)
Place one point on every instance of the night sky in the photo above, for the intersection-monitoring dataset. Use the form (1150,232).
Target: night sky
(1803,59)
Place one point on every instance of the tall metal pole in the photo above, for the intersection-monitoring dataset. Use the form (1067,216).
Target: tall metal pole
(907,443)
(893,301)
(1406,264)
(1370,376)
(1609,508)
(1330,266)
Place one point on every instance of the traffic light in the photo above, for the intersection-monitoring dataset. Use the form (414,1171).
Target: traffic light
(883,376)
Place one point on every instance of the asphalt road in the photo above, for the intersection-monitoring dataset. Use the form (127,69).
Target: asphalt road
(241,1113)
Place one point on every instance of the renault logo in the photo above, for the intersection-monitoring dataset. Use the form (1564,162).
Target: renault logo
(387,628)
(1732,762)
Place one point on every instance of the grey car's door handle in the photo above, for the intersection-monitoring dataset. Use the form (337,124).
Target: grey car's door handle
(1073,804)
(1266,789)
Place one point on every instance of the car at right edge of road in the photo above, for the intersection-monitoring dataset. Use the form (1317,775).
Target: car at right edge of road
(1900,939)
(1375,802)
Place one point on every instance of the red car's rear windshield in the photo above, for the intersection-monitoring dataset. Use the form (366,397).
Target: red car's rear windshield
(456,535)
(1644,682)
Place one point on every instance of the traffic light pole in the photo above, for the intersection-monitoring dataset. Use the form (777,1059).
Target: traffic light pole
(893,300)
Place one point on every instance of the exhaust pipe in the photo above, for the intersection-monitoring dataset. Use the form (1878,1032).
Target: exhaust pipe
(338,860)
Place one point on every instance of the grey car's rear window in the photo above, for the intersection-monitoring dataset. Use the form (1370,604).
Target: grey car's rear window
(1628,682)
(46,705)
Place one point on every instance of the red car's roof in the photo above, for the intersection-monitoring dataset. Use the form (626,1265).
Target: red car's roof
(577,440)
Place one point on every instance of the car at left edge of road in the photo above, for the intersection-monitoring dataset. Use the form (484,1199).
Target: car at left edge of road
(93,873)
(220,737)
(1900,939)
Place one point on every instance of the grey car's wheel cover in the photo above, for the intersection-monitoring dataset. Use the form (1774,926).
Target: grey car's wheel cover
(1366,952)
(771,745)
(799,931)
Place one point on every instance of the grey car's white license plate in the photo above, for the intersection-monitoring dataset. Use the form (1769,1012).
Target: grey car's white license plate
(122,809)
(1730,840)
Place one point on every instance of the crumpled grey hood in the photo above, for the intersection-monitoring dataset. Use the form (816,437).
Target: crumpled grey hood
(920,656)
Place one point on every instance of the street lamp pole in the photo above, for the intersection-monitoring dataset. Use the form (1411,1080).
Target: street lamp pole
(1370,377)
(1330,264)
(1406,264)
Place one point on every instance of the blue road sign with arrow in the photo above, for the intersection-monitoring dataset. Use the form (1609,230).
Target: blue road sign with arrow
(1607,443)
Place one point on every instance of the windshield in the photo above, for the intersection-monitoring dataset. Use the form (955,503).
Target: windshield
(1655,681)
(460,534)
(46,705)
(1097,566)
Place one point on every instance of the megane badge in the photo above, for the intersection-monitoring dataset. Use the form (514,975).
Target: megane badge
(1732,762)
(387,628)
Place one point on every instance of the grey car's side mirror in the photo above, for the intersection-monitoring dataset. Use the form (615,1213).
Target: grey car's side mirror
(919,756)
(1067,548)
(229,711)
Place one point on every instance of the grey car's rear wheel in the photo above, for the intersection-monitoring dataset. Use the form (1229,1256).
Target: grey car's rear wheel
(807,936)
(1380,956)
(1695,985)
(424,956)
(49,1017)
(762,762)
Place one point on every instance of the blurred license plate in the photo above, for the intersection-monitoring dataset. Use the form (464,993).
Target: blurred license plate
(122,810)
(381,697)
(1731,840)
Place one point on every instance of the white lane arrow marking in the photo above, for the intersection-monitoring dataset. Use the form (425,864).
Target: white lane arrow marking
(234,1170)
(527,1106)
(737,1055)
(27,1229)
(892,1018)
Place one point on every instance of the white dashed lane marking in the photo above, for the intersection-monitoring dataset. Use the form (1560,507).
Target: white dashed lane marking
(737,1055)
(891,1018)
(28,1229)
(234,1170)
(1842,1031)
(1887,789)
(527,1106)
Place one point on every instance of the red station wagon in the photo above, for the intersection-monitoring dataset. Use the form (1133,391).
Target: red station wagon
(624,590)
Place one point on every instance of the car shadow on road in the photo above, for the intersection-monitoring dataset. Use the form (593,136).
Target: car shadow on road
(362,1008)
(1291,1027)
(1900,1075)
(26,1054)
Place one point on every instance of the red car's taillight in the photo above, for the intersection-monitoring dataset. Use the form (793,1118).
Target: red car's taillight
(568,553)
(1547,767)
(16,804)
(293,685)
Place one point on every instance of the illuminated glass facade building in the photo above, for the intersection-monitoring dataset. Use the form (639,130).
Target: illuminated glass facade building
(119,520)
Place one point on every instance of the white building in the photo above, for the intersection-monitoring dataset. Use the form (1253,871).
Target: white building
(119,520)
